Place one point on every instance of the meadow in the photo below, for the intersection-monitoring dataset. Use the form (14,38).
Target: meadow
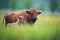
(47,27)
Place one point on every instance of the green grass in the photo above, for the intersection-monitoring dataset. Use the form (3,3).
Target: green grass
(39,31)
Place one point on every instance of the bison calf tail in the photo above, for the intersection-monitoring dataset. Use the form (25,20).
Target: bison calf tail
(3,21)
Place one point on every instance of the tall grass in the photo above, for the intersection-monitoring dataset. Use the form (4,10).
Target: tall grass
(47,27)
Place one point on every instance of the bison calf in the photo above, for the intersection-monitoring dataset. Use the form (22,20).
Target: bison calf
(29,16)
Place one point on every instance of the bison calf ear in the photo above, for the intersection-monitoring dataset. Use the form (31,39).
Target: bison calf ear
(28,12)
(39,12)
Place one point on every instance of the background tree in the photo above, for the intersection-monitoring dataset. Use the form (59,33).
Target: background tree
(41,7)
(4,4)
(0,4)
(53,5)
(28,4)
(12,4)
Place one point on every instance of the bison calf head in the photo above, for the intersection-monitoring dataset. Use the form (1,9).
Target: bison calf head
(32,15)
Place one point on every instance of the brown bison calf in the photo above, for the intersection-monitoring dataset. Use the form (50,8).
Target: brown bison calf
(30,16)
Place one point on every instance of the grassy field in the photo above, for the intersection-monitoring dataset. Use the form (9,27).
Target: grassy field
(47,27)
